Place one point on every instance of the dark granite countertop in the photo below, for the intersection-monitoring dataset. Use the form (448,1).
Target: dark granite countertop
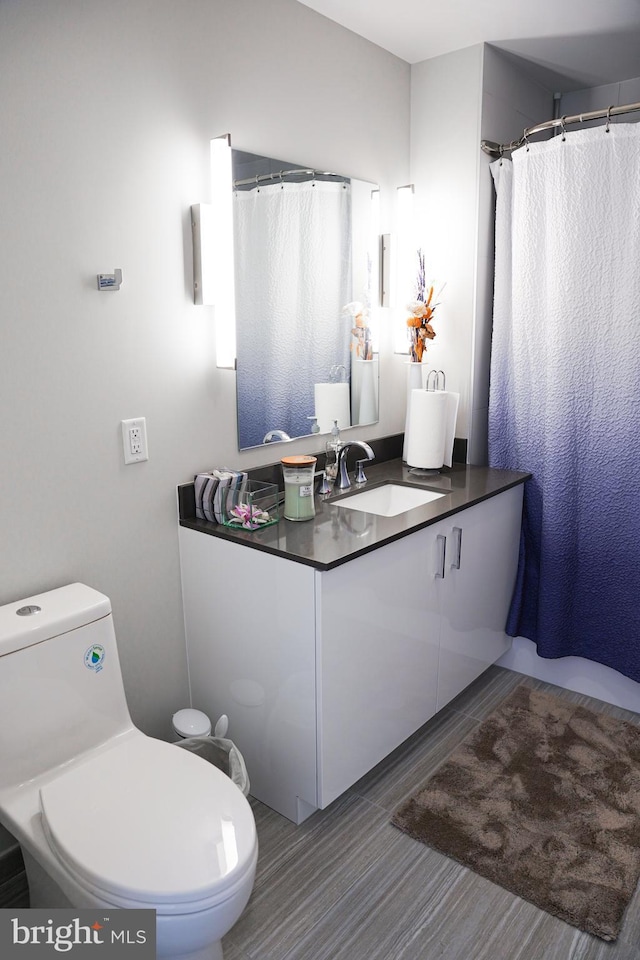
(336,535)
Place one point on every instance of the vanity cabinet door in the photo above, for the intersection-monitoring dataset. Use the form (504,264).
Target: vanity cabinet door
(480,570)
(250,628)
(378,634)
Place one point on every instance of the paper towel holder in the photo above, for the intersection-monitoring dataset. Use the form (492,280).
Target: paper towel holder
(436,375)
(425,471)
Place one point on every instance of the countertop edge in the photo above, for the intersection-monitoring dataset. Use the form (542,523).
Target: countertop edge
(253,539)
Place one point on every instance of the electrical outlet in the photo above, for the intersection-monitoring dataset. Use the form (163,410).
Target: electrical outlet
(134,440)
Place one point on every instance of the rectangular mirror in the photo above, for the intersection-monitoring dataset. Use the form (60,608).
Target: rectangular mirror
(306,248)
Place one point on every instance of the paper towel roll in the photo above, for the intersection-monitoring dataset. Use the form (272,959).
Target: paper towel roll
(332,403)
(431,428)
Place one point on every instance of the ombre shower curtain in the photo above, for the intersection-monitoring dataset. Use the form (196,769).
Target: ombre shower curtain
(293,277)
(565,388)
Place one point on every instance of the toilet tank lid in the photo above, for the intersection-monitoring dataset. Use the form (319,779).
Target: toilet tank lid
(47,615)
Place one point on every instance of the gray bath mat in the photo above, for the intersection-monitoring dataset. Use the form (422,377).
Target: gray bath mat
(544,800)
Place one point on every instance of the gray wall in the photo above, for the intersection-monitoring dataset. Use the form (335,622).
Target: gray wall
(445,134)
(599,98)
(106,116)
(457,100)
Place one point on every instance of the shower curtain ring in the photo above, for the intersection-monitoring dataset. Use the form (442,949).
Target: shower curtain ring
(609,109)
(564,132)
(526,139)
(501,152)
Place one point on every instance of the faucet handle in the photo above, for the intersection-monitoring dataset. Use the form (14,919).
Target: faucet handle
(360,476)
(325,486)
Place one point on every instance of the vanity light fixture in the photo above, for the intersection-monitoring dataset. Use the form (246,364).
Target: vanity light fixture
(393,250)
(405,273)
(213,273)
(374,262)
(222,203)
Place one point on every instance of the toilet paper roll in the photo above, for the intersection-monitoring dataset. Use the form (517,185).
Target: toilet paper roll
(431,428)
(332,403)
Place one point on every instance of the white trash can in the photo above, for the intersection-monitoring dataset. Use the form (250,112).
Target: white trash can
(216,749)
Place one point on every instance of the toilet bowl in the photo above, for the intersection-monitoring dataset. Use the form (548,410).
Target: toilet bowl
(107,816)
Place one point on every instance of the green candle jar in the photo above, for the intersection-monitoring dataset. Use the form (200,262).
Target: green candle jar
(298,475)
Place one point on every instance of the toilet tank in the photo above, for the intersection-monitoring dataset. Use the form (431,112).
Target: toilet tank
(61,691)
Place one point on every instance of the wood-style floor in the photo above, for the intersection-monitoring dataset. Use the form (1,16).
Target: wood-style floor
(346,885)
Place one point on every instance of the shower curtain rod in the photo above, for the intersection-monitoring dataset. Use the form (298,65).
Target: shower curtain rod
(288,173)
(499,149)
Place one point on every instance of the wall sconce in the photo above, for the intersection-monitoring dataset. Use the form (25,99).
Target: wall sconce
(387,265)
(202,229)
(213,269)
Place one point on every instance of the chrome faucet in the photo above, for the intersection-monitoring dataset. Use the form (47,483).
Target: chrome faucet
(274,435)
(342,479)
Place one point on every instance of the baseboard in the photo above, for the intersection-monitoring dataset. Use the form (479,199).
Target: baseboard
(14,890)
(573,673)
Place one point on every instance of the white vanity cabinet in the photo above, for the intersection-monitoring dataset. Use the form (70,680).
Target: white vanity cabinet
(481,561)
(377,638)
(322,673)
(251,652)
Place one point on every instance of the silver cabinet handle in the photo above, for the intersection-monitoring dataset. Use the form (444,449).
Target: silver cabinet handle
(457,532)
(442,547)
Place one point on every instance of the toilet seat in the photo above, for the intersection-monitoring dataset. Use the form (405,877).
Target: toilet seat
(146,823)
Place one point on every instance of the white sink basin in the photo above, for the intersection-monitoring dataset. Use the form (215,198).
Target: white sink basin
(389,500)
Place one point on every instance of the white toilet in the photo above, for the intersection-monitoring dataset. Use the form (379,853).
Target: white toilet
(107,816)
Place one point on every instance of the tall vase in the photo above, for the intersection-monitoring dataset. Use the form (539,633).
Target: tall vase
(414,382)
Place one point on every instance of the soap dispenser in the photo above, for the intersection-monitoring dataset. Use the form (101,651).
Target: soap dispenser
(333,448)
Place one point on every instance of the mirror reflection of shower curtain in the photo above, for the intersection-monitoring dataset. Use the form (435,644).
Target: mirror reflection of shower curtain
(565,397)
(293,277)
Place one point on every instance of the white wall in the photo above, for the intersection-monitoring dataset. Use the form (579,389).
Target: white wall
(445,135)
(106,115)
